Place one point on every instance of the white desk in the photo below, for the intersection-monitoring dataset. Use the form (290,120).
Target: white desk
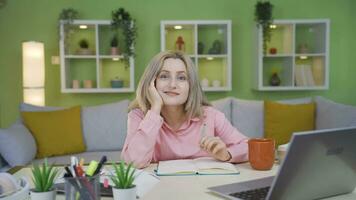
(195,187)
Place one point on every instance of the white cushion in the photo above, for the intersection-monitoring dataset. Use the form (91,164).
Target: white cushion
(105,126)
(17,145)
(330,114)
(224,106)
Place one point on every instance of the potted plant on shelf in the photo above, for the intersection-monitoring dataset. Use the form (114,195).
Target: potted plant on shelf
(67,17)
(84,47)
(123,181)
(117,82)
(122,20)
(43,179)
(115,46)
(264,18)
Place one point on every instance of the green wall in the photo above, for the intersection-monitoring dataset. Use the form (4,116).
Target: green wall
(37,20)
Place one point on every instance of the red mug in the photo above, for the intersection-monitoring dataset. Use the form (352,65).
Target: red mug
(261,153)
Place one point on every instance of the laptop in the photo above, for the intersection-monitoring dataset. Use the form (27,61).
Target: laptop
(318,164)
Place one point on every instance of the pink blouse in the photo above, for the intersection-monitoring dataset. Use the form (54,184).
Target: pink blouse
(150,139)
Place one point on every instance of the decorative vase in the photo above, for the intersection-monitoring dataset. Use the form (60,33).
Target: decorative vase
(117,83)
(272,50)
(50,195)
(216,83)
(124,194)
(274,80)
(303,48)
(204,82)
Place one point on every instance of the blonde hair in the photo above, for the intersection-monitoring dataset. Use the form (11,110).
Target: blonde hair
(196,98)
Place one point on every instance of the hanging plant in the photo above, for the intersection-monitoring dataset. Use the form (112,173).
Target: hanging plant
(67,16)
(122,20)
(264,18)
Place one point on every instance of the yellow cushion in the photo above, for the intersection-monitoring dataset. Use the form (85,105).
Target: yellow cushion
(281,120)
(56,132)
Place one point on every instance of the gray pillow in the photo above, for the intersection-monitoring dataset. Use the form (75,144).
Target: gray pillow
(248,115)
(224,106)
(17,145)
(330,114)
(105,126)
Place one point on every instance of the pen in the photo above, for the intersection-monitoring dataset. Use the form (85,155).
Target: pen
(202,131)
(100,165)
(81,162)
(92,168)
(68,171)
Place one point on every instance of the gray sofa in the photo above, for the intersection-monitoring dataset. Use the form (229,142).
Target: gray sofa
(104,126)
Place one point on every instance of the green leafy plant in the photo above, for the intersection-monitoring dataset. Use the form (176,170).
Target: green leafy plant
(114,41)
(264,18)
(83,44)
(122,20)
(67,16)
(44,176)
(124,175)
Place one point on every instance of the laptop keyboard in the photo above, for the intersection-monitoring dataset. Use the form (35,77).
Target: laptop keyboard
(255,194)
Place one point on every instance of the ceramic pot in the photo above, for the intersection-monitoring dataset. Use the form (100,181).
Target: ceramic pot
(83,51)
(115,51)
(117,83)
(124,194)
(50,195)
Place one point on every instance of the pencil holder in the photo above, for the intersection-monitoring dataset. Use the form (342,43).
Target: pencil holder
(82,188)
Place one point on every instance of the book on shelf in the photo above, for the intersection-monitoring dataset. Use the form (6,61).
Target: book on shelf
(304,75)
(197,166)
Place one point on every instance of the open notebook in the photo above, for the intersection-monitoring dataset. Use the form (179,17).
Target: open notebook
(198,166)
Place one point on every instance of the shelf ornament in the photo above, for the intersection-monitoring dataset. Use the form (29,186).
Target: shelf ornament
(264,18)
(122,19)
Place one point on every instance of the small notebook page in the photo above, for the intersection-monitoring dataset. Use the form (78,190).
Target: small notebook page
(210,165)
(176,167)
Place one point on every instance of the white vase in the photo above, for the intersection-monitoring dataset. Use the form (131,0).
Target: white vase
(50,195)
(204,83)
(124,194)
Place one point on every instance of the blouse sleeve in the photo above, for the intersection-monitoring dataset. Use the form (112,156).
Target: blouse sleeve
(235,141)
(142,134)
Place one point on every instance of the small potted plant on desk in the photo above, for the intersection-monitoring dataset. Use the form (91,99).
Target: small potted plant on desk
(123,188)
(43,179)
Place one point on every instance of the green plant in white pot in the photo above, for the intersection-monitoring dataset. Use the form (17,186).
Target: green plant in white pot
(43,180)
(123,179)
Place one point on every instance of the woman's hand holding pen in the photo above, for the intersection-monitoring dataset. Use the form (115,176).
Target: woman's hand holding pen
(215,147)
(155,98)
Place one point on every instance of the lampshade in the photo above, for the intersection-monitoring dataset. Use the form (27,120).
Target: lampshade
(33,72)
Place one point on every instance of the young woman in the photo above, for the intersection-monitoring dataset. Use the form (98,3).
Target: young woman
(171,119)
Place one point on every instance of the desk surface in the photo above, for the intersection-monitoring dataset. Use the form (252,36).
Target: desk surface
(195,187)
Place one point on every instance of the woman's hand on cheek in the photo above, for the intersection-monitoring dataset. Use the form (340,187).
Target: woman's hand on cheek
(155,98)
(215,147)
